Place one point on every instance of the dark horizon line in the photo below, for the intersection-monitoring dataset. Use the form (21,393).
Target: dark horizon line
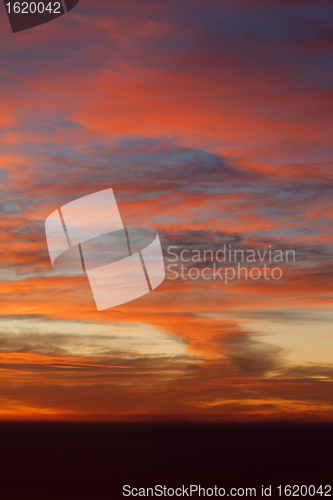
(165,422)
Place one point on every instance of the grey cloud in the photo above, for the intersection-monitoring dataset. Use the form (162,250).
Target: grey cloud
(252,357)
(126,347)
(96,354)
(311,371)
(9,207)
(285,315)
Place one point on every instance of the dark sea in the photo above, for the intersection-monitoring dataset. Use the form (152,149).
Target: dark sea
(71,461)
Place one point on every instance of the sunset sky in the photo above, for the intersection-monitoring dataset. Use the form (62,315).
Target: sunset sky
(212,122)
